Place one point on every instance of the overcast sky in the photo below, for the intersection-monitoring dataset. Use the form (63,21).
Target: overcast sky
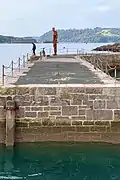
(34,17)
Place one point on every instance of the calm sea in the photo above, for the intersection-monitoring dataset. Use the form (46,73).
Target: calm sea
(9,52)
(63,161)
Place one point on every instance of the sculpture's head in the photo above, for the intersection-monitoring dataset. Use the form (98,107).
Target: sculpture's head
(53,29)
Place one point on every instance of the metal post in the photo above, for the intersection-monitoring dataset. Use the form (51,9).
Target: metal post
(115,72)
(27,57)
(106,70)
(12,67)
(94,61)
(3,75)
(50,51)
(67,50)
(19,64)
(23,60)
(40,55)
(77,51)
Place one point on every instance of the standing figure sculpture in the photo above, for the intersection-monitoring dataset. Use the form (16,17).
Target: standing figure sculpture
(55,39)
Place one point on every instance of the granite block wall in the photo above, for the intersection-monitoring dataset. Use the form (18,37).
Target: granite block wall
(63,113)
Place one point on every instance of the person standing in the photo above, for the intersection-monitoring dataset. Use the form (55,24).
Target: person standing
(34,49)
(55,39)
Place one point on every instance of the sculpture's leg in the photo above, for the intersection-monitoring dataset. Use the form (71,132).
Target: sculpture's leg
(55,49)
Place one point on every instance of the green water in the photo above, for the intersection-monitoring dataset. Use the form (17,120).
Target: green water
(53,161)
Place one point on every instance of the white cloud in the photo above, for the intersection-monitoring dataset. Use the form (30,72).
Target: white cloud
(104,8)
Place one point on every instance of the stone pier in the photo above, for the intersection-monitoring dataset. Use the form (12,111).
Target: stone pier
(63,99)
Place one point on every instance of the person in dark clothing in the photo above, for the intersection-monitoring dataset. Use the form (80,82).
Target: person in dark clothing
(34,48)
(43,52)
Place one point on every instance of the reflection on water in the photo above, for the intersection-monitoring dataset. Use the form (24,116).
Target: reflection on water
(53,161)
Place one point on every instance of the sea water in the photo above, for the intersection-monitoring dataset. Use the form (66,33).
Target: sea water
(9,52)
(61,161)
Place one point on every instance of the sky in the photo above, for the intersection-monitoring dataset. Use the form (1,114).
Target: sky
(35,17)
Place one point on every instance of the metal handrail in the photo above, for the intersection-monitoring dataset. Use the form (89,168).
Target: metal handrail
(20,63)
(97,62)
(94,59)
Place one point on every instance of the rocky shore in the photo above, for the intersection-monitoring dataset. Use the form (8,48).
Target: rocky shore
(110,47)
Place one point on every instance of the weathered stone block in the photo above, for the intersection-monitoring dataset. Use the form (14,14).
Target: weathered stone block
(38,91)
(46,108)
(35,124)
(27,98)
(113,98)
(98,129)
(9,98)
(82,117)
(40,101)
(56,130)
(45,121)
(102,123)
(90,105)
(62,118)
(26,103)
(42,114)
(75,90)
(56,101)
(52,117)
(115,123)
(7,91)
(88,123)
(99,104)
(22,90)
(32,91)
(55,113)
(31,114)
(39,130)
(20,101)
(20,113)
(82,112)
(52,122)
(115,91)
(69,110)
(65,95)
(51,108)
(99,114)
(76,123)
(27,108)
(68,129)
(79,98)
(36,108)
(115,126)
(113,104)
(21,124)
(63,122)
(115,129)
(83,106)
(2,101)
(47,91)
(117,114)
(82,129)
(94,90)
(98,97)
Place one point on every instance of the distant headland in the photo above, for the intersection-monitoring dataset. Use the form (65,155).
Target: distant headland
(12,39)
(88,35)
